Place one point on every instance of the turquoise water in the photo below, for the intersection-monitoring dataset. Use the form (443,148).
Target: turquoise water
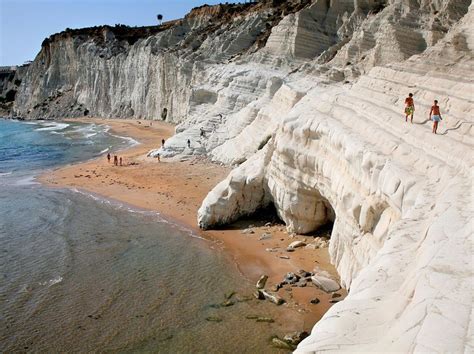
(79,273)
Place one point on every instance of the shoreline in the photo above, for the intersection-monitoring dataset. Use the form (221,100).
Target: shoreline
(175,191)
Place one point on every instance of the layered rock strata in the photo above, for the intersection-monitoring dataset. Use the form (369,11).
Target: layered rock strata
(305,98)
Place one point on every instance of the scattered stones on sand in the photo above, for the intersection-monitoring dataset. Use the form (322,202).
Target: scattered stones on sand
(251,317)
(271,249)
(272,297)
(301,283)
(290,278)
(227,303)
(276,287)
(247,231)
(304,274)
(296,244)
(296,337)
(265,236)
(281,344)
(318,242)
(262,281)
(265,319)
(336,295)
(213,319)
(315,301)
(258,295)
(284,257)
(324,283)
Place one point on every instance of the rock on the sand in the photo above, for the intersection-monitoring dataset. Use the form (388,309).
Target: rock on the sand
(270,296)
(265,236)
(296,244)
(247,231)
(280,343)
(295,337)
(262,281)
(291,278)
(325,284)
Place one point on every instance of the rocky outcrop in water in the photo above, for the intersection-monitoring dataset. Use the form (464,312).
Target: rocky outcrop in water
(305,98)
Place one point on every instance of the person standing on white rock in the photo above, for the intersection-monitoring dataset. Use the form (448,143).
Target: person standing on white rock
(409,107)
(435,116)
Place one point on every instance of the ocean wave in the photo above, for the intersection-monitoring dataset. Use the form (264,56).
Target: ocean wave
(53,126)
(104,151)
(53,281)
(26,181)
(4,174)
(132,141)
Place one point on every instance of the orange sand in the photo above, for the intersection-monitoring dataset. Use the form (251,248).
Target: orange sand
(176,190)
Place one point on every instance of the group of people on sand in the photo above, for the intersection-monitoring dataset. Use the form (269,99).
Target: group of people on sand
(435,114)
(117,160)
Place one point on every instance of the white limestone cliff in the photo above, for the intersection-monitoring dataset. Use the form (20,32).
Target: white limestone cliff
(400,196)
(305,98)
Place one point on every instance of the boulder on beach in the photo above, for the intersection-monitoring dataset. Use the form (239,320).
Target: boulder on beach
(262,281)
(325,284)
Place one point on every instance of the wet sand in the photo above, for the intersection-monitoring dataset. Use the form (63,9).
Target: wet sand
(176,190)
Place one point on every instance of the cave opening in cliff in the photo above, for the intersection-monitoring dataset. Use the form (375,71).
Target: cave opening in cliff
(264,216)
(325,217)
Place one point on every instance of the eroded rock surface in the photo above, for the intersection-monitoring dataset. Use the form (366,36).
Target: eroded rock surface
(305,98)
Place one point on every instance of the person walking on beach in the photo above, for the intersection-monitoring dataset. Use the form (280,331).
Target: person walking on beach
(163,143)
(115,160)
(120,160)
(158,157)
(409,107)
(435,116)
(108,157)
(189,143)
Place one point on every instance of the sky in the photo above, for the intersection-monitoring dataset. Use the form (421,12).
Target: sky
(24,24)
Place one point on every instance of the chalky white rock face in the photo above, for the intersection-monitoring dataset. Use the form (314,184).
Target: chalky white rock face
(313,119)
(400,196)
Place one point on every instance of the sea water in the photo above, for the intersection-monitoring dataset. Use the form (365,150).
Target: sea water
(81,274)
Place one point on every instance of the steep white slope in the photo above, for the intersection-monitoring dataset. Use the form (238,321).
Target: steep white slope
(400,195)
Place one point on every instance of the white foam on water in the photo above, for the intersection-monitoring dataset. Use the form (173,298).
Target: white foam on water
(26,181)
(4,174)
(132,141)
(53,281)
(53,126)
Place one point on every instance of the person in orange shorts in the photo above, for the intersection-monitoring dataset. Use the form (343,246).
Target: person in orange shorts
(409,107)
(435,116)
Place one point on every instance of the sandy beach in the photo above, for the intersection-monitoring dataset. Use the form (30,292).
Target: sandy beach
(176,190)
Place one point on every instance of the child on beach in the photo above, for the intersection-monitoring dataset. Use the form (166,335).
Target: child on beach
(120,159)
(163,143)
(108,157)
(158,157)
(115,160)
(409,107)
(435,116)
